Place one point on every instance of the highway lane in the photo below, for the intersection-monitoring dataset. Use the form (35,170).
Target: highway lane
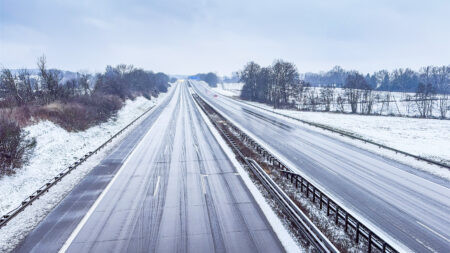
(176,192)
(53,231)
(410,206)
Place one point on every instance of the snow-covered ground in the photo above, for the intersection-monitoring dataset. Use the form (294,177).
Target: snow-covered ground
(57,149)
(229,89)
(385,103)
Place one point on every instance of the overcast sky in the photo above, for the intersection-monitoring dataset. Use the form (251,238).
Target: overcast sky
(190,36)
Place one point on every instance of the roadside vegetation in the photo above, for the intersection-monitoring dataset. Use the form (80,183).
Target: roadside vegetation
(424,94)
(75,103)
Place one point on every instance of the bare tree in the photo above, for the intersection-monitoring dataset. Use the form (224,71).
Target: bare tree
(424,100)
(250,78)
(49,80)
(27,85)
(367,101)
(286,80)
(340,103)
(313,98)
(327,96)
(354,84)
(443,105)
(9,86)
(84,83)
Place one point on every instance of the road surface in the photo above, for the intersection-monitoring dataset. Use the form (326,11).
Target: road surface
(175,192)
(410,206)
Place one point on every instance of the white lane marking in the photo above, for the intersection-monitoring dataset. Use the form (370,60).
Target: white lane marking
(203,184)
(156,187)
(80,225)
(430,229)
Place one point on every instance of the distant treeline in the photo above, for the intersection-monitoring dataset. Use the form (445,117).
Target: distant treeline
(24,87)
(404,80)
(210,78)
(281,86)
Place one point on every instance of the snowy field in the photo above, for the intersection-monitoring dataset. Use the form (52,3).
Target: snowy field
(385,103)
(57,149)
(425,137)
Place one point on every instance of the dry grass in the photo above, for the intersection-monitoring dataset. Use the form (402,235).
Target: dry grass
(76,114)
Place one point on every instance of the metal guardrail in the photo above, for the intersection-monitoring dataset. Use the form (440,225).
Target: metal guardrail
(294,213)
(342,216)
(291,210)
(45,188)
(344,133)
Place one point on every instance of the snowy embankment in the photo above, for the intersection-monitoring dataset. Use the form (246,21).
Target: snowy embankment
(229,89)
(57,149)
(429,138)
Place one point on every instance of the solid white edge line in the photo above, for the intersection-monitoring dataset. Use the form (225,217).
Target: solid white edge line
(430,229)
(283,235)
(202,178)
(80,225)
(155,191)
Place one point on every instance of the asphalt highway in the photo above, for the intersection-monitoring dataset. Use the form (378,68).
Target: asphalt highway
(169,187)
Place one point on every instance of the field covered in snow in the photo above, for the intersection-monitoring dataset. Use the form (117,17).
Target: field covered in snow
(425,137)
(385,103)
(57,149)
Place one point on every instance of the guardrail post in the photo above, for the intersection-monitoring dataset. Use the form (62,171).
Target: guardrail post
(370,242)
(320,200)
(314,195)
(337,214)
(307,189)
(296,181)
(301,184)
(346,221)
(384,247)
(328,206)
(357,232)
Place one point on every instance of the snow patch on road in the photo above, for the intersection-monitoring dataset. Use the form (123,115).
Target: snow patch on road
(57,149)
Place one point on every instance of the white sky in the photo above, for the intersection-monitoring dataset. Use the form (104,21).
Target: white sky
(191,36)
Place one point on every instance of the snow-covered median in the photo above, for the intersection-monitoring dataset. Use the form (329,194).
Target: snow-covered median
(57,149)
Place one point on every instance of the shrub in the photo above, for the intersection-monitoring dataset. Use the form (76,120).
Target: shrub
(82,112)
(20,115)
(15,147)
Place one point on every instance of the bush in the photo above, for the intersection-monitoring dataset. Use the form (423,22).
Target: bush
(15,147)
(21,115)
(82,112)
